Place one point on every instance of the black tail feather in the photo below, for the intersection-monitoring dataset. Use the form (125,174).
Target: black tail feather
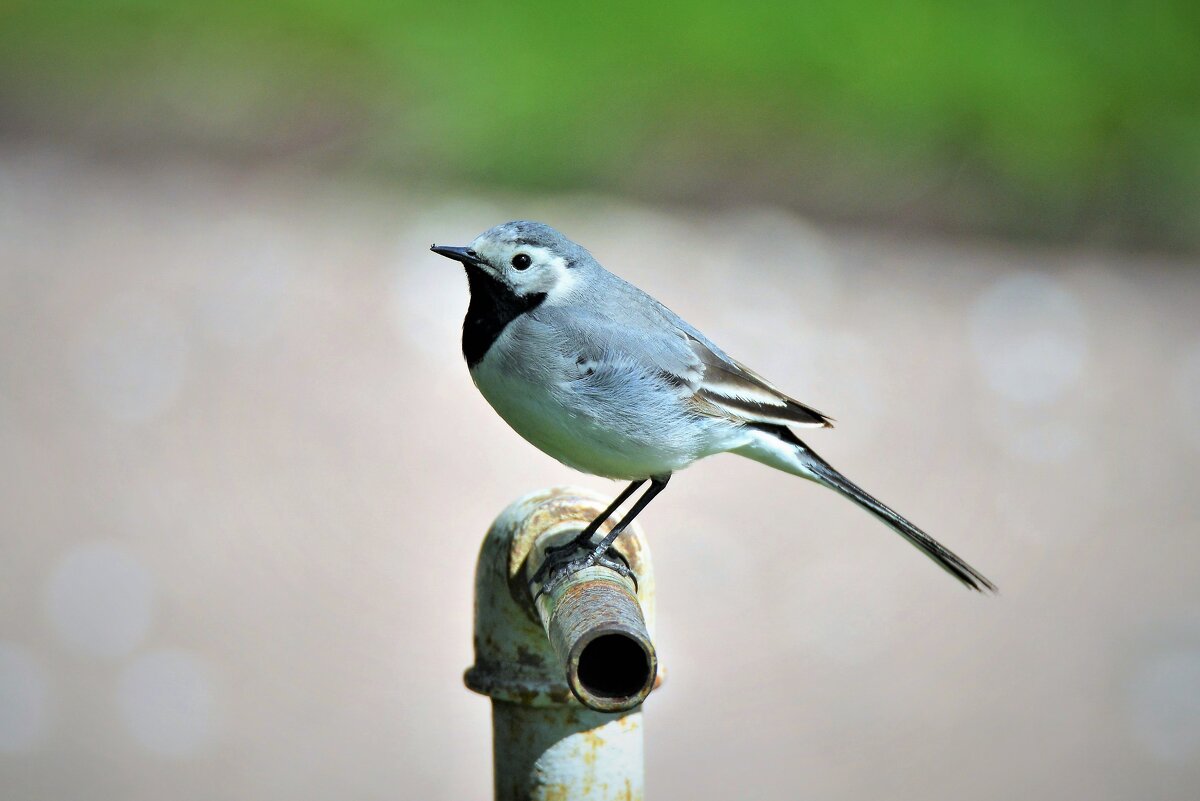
(943,556)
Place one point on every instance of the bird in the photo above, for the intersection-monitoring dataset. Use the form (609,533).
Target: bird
(607,380)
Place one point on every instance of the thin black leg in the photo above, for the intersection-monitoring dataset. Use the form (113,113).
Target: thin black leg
(656,486)
(584,540)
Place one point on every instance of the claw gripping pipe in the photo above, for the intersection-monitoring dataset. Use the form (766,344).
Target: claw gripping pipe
(567,670)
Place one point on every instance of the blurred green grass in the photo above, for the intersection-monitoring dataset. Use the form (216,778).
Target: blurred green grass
(1062,118)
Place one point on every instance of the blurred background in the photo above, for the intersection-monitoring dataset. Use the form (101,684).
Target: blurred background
(244,473)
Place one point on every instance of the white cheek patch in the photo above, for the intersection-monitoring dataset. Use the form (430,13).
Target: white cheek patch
(563,280)
(549,274)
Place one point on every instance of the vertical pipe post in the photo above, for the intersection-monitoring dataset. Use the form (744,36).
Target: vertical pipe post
(566,671)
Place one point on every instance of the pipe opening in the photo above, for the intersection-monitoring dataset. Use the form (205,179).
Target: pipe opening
(613,666)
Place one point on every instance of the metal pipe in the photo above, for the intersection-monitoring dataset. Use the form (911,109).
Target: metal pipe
(567,671)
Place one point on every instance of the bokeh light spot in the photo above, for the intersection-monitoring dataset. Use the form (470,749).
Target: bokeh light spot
(166,701)
(1030,337)
(23,700)
(100,600)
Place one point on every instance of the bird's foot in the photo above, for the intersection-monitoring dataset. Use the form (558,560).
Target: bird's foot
(562,561)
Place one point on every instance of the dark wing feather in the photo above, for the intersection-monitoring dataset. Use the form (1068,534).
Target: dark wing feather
(729,388)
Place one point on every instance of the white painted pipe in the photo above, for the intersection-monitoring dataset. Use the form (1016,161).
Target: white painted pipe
(546,743)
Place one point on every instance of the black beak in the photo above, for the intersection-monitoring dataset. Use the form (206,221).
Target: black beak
(465,255)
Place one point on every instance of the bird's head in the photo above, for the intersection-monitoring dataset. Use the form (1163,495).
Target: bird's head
(523,258)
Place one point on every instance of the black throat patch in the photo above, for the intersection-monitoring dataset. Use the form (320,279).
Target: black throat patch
(493,306)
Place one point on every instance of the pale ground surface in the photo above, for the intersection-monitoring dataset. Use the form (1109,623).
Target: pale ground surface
(244,474)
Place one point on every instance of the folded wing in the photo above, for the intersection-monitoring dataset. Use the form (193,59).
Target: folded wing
(729,388)
(649,334)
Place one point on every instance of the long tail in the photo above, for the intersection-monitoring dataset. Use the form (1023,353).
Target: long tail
(778,447)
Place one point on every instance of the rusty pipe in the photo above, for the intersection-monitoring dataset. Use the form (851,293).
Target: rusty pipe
(597,631)
(567,670)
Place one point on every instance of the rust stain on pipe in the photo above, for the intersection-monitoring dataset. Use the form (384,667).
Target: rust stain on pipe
(596,628)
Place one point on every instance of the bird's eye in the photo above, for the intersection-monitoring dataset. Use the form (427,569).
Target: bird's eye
(521,261)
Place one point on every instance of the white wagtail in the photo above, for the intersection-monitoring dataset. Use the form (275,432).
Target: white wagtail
(607,380)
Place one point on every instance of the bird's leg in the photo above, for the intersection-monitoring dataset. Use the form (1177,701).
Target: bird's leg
(656,486)
(557,555)
(583,541)
(563,568)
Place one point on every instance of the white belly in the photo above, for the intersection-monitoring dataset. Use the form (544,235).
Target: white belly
(611,441)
